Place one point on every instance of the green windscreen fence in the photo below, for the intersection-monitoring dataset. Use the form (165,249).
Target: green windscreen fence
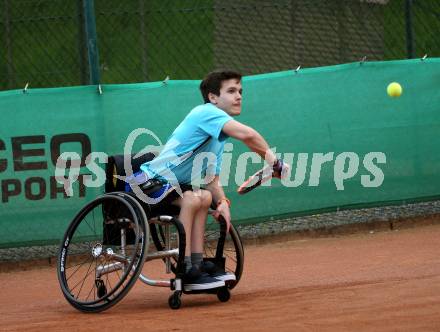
(349,143)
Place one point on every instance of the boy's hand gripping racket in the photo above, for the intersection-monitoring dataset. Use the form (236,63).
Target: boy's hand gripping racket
(261,176)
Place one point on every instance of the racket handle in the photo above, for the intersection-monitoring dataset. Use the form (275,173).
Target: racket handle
(278,166)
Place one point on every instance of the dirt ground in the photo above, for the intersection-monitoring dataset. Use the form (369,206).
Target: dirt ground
(381,281)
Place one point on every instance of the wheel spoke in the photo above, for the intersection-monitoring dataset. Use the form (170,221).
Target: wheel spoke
(77,269)
(83,280)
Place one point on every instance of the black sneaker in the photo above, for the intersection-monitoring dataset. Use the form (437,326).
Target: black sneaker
(216,272)
(195,279)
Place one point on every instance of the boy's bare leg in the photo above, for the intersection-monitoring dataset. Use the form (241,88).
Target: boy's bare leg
(198,227)
(189,206)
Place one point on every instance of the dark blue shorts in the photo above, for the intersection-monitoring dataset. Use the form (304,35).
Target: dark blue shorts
(170,196)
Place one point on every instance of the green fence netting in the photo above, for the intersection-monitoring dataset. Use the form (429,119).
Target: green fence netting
(349,143)
(52,43)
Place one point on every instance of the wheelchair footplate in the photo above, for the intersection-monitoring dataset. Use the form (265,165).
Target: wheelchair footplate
(177,285)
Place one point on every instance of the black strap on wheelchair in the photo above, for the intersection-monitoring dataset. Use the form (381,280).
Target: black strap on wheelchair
(151,186)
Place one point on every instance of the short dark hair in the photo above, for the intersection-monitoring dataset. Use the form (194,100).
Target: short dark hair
(213,82)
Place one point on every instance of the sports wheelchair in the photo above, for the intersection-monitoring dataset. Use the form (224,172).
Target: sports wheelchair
(105,247)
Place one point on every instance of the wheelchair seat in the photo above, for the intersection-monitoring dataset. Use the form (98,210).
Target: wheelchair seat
(115,166)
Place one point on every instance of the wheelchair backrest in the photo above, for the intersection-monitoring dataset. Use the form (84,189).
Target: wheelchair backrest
(115,166)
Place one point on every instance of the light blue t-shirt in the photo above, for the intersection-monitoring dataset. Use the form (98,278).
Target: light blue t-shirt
(194,150)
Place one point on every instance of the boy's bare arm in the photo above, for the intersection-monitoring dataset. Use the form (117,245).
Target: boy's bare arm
(251,138)
(222,206)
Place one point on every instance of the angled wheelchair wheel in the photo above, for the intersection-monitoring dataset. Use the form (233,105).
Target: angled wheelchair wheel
(224,250)
(102,252)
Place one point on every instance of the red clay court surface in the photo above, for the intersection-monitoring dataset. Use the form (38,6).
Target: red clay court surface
(385,281)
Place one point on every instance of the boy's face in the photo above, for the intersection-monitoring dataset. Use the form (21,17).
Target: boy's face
(229,99)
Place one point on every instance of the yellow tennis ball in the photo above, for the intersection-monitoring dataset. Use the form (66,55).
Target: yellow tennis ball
(394,90)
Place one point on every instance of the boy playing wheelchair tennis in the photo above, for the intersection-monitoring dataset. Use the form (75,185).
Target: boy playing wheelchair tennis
(204,130)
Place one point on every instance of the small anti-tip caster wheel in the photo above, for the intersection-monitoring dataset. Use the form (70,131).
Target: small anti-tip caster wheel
(174,300)
(224,294)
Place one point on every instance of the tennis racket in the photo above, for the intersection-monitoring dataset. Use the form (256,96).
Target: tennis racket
(255,180)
